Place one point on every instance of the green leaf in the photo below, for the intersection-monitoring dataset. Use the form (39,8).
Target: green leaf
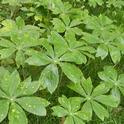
(50,77)
(20,22)
(4,107)
(6,52)
(76,30)
(38,59)
(49,48)
(99,110)
(2,94)
(72,104)
(87,110)
(78,120)
(27,87)
(64,102)
(11,2)
(20,58)
(122,90)
(60,45)
(75,22)
(34,105)
(66,20)
(3,71)
(75,103)
(102,51)
(17,115)
(6,43)
(116,93)
(8,27)
(87,84)
(108,100)
(108,74)
(91,39)
(10,83)
(77,88)
(100,89)
(74,56)
(72,72)
(120,83)
(69,120)
(115,54)
(59,111)
(95,2)
(58,25)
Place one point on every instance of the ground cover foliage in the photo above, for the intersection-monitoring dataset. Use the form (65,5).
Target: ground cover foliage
(61,61)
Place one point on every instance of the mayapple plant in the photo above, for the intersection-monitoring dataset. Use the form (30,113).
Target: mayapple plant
(22,38)
(62,56)
(16,95)
(70,108)
(94,98)
(113,81)
(66,55)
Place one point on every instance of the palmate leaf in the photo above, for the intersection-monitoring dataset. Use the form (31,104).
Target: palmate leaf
(18,27)
(116,3)
(112,80)
(103,35)
(59,7)
(15,94)
(93,98)
(78,47)
(22,37)
(100,24)
(105,45)
(69,108)
(66,25)
(54,57)
(95,2)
